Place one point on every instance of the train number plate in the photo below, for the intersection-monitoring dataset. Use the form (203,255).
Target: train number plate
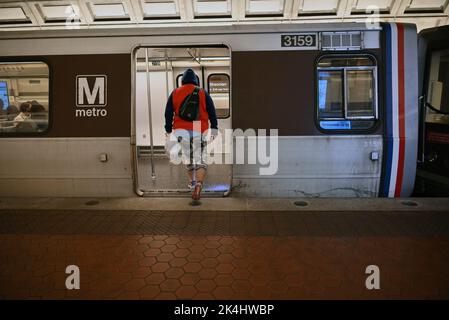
(299,40)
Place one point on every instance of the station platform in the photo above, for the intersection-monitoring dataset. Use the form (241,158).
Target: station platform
(225,248)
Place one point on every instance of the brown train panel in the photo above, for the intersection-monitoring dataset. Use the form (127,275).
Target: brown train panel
(276,90)
(63,110)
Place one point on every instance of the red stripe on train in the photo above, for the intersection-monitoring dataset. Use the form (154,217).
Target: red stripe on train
(401,110)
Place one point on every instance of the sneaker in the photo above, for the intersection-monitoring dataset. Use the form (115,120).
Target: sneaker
(191,185)
(196,195)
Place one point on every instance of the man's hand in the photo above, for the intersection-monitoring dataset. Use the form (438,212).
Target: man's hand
(213,134)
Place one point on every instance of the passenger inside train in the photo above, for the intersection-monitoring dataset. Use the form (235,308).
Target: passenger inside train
(24,114)
(11,112)
(24,92)
(190,127)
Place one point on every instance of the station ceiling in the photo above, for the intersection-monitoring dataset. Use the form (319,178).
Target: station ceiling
(93,14)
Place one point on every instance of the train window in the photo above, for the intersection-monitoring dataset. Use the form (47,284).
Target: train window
(360,97)
(330,98)
(218,86)
(24,97)
(347,93)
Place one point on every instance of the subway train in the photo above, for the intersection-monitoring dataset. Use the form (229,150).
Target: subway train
(344,107)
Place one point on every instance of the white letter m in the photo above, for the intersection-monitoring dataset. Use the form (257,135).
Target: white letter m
(98,90)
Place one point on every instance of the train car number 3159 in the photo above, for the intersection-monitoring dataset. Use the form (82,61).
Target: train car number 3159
(298,40)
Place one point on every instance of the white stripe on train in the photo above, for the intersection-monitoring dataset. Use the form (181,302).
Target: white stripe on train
(394,109)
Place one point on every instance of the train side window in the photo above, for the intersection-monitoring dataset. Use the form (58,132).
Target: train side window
(330,98)
(360,95)
(218,86)
(24,98)
(346,93)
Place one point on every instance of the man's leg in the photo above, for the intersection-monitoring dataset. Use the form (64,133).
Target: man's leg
(201,175)
(200,167)
(200,154)
(191,166)
(187,153)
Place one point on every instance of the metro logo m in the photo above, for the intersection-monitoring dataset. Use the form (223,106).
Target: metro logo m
(91,91)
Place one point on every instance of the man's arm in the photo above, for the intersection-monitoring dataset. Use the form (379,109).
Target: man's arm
(169,112)
(210,108)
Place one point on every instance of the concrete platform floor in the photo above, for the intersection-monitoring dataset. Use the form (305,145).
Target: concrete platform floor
(224,249)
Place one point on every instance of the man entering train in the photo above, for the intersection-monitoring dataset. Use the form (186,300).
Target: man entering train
(188,112)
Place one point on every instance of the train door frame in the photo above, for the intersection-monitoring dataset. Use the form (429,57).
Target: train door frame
(134,153)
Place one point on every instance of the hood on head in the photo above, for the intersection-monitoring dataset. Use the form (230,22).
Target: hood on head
(190,77)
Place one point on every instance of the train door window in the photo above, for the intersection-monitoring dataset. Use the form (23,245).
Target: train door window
(346,93)
(218,86)
(24,97)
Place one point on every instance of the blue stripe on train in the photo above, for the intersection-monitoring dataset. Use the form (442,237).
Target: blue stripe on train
(384,190)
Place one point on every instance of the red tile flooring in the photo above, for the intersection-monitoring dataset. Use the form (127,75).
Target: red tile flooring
(223,267)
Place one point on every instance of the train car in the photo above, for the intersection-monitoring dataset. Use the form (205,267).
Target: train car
(341,101)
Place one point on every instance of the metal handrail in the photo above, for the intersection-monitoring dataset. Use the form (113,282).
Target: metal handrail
(153,173)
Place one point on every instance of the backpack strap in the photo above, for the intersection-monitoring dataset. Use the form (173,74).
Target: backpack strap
(196,90)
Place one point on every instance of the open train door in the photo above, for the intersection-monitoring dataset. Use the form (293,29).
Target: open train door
(158,71)
(433,167)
